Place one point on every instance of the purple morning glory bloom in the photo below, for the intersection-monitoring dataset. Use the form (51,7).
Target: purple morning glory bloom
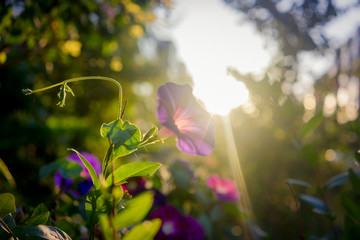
(181,115)
(224,188)
(82,187)
(176,226)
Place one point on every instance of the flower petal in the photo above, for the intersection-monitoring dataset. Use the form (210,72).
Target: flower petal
(179,112)
(176,226)
(224,188)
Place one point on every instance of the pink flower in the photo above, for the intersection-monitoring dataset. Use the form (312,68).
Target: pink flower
(224,188)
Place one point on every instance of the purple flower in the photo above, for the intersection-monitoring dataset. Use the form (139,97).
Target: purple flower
(83,187)
(176,226)
(181,115)
(224,188)
(134,185)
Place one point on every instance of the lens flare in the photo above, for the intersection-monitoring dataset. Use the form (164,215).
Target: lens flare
(221,96)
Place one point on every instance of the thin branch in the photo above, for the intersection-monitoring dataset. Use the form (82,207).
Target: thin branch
(301,229)
(7,229)
(29,91)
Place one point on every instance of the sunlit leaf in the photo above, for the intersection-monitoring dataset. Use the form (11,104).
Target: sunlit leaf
(124,135)
(5,171)
(338,180)
(39,216)
(298,182)
(107,159)
(351,207)
(150,137)
(144,231)
(90,168)
(7,204)
(312,124)
(62,96)
(318,205)
(42,232)
(137,169)
(135,210)
(105,226)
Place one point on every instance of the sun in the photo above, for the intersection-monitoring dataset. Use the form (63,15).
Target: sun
(222,95)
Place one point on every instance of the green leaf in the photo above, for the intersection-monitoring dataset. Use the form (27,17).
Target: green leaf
(96,202)
(135,210)
(310,154)
(312,124)
(205,222)
(105,226)
(137,169)
(354,179)
(67,169)
(150,137)
(100,201)
(107,160)
(7,204)
(181,175)
(42,232)
(318,205)
(216,213)
(124,135)
(352,230)
(62,96)
(94,205)
(64,88)
(351,207)
(90,168)
(298,182)
(66,226)
(338,180)
(144,231)
(10,222)
(68,89)
(5,171)
(39,216)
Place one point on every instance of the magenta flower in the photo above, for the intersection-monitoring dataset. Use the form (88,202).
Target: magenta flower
(176,226)
(224,188)
(82,187)
(181,115)
(134,185)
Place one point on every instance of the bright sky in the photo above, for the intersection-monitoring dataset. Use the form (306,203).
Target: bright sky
(209,38)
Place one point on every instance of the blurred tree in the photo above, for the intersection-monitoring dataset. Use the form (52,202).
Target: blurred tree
(45,42)
(310,136)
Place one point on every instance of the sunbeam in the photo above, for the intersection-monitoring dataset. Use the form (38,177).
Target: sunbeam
(244,202)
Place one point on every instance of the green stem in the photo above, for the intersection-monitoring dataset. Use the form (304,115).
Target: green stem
(301,228)
(29,91)
(113,208)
